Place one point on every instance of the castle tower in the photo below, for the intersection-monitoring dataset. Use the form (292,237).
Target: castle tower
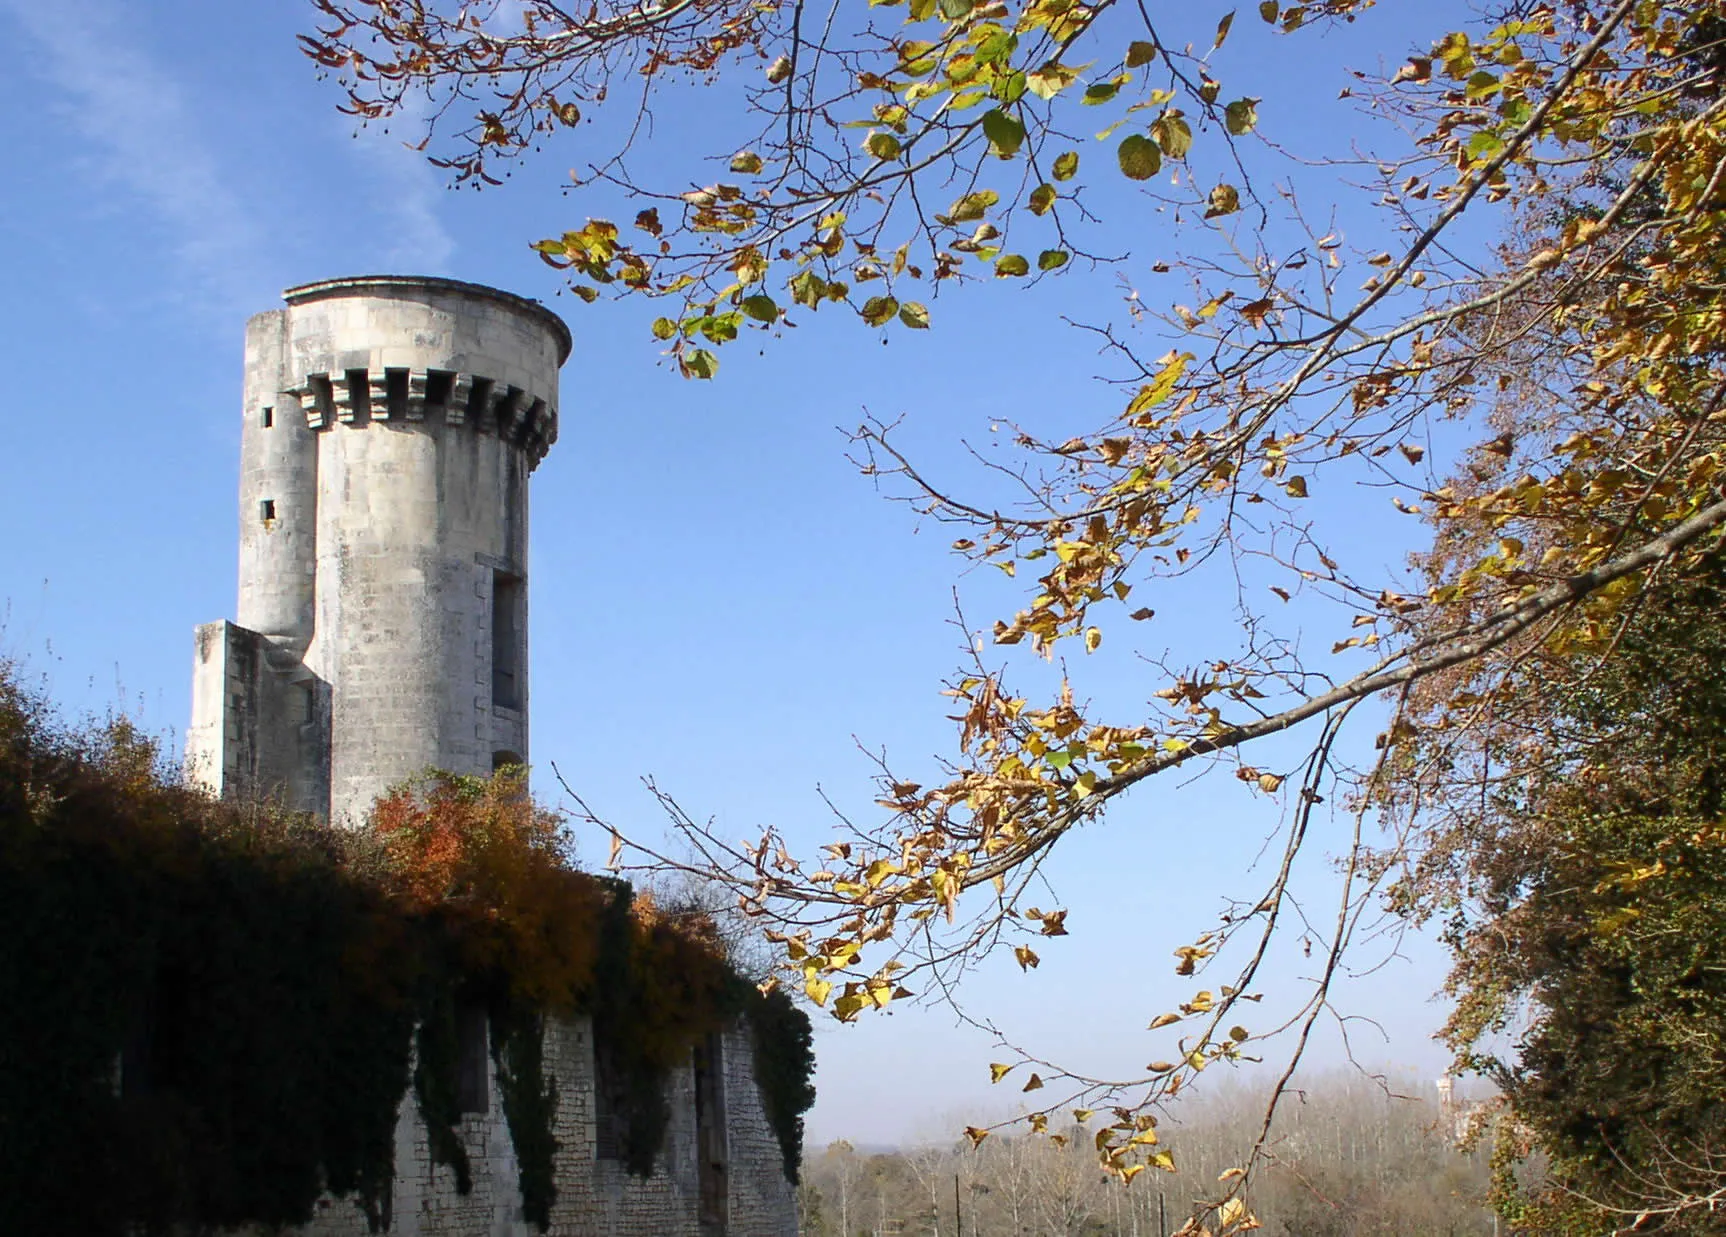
(390,424)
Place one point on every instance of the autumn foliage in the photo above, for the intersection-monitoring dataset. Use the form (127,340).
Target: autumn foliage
(210,1013)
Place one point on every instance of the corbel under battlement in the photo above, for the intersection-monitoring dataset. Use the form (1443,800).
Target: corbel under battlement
(356,396)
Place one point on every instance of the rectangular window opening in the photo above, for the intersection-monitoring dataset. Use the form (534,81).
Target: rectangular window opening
(396,392)
(608,1105)
(267,510)
(506,593)
(479,403)
(438,385)
(360,393)
(714,1161)
(268,416)
(323,396)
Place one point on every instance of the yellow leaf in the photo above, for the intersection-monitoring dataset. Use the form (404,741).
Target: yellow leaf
(975,1135)
(1163,1020)
(817,988)
(1161,386)
(997,1071)
(1034,1083)
(1081,1115)
(1093,639)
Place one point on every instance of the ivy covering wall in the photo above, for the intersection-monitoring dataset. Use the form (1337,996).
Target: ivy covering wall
(209,1014)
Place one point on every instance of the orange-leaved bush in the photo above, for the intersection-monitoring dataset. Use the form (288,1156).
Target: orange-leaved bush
(498,868)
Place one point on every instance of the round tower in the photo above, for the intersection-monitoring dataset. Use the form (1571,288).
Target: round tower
(391,424)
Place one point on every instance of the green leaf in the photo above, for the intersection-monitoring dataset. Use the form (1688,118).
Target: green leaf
(1052,259)
(1241,116)
(590,295)
(1140,158)
(972,205)
(1066,165)
(1268,10)
(997,47)
(883,146)
(954,10)
(1173,134)
(1042,199)
(1485,143)
(1012,264)
(746,162)
(1010,87)
(700,364)
(761,308)
(914,315)
(721,328)
(1005,133)
(807,288)
(1140,52)
(664,328)
(1100,92)
(878,309)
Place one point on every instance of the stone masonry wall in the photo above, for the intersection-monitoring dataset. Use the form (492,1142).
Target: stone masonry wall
(595,1197)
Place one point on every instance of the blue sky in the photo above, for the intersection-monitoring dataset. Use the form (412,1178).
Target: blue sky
(718,599)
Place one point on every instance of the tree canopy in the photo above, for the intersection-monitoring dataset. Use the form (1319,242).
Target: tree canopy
(885,151)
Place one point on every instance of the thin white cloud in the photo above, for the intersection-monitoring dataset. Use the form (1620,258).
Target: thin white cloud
(141,136)
(411,188)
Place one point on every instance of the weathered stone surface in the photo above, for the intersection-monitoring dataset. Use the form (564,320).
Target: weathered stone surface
(388,429)
(595,1197)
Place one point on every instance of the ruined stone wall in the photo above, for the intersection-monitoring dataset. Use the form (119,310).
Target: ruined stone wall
(260,721)
(595,1197)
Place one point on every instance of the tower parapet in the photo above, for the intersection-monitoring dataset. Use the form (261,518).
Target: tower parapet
(390,424)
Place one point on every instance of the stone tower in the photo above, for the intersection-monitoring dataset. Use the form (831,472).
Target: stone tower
(390,424)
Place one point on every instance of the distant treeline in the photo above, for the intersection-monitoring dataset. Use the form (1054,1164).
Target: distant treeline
(1349,1157)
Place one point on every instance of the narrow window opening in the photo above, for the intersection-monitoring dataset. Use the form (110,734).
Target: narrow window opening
(713,1166)
(479,403)
(514,526)
(471,1060)
(607,1115)
(360,393)
(438,384)
(323,396)
(504,759)
(505,641)
(268,416)
(267,510)
(396,393)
